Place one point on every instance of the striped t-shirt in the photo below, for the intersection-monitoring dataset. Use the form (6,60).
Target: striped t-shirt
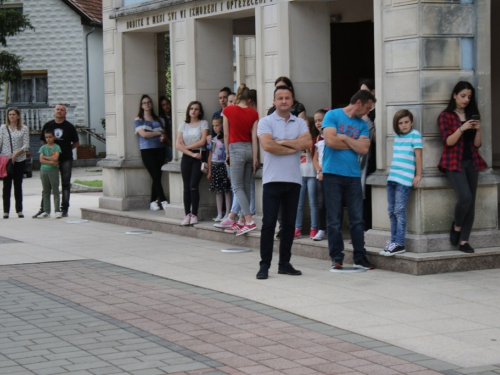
(403,160)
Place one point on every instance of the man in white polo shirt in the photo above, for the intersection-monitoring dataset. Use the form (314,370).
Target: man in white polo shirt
(282,136)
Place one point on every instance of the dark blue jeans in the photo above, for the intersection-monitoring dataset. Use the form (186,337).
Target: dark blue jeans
(65,168)
(336,189)
(276,194)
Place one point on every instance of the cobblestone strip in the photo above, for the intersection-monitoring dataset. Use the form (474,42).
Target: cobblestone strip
(227,333)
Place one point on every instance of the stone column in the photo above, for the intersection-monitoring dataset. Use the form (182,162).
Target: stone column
(293,40)
(422,50)
(130,70)
(201,53)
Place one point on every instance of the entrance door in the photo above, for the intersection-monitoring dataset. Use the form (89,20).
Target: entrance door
(353,59)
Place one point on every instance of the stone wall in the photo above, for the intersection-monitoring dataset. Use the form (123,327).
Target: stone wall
(57,46)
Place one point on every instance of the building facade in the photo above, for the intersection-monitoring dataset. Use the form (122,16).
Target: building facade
(415,49)
(63,63)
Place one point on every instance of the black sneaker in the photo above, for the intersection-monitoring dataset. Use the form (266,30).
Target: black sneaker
(65,214)
(289,270)
(35,216)
(466,248)
(398,249)
(263,273)
(363,263)
(454,235)
(337,266)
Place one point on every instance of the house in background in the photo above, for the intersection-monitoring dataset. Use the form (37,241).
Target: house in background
(63,63)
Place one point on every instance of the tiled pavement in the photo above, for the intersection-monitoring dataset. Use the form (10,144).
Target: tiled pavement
(452,317)
(90,317)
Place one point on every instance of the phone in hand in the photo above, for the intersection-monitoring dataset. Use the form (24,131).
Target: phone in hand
(475,117)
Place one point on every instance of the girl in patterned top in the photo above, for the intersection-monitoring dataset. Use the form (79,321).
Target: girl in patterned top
(17,133)
(217,172)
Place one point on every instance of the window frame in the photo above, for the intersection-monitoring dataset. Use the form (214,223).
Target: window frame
(32,77)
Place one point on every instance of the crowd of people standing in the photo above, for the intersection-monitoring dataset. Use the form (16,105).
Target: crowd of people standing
(327,158)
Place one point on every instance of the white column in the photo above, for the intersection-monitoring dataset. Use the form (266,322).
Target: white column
(201,63)
(293,40)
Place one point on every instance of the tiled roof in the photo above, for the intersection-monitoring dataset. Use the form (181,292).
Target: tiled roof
(91,10)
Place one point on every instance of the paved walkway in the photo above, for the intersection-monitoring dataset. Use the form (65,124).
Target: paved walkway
(179,305)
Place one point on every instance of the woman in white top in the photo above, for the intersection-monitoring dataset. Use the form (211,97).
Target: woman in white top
(14,142)
(191,141)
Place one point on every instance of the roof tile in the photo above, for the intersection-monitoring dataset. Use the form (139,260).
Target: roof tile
(92,9)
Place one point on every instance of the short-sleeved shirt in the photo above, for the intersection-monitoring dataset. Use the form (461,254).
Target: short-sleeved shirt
(192,134)
(65,134)
(149,126)
(241,121)
(282,168)
(49,151)
(343,162)
(403,159)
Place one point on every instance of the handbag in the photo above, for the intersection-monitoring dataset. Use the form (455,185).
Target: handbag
(204,167)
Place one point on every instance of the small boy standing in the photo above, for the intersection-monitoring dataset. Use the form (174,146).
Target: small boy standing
(49,174)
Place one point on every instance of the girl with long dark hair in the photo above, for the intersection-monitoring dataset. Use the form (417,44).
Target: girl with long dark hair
(149,128)
(460,128)
(191,141)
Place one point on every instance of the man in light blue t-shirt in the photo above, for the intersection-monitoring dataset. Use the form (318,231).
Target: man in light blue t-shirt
(282,137)
(346,137)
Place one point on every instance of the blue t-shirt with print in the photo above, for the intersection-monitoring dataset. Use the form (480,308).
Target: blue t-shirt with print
(343,162)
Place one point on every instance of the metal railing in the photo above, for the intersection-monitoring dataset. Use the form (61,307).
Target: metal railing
(35,117)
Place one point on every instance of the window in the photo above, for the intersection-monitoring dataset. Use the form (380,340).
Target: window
(32,89)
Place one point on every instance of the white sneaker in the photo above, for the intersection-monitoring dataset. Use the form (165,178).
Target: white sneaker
(164,205)
(194,219)
(186,220)
(154,206)
(390,246)
(218,218)
(43,215)
(320,236)
(58,214)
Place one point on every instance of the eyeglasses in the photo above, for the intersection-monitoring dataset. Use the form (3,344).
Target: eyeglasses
(147,103)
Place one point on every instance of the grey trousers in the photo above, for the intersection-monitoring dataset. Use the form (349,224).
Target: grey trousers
(241,159)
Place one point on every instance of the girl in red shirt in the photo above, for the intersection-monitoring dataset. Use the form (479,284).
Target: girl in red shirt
(240,139)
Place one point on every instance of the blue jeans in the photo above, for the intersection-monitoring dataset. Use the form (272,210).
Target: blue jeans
(274,196)
(336,188)
(309,184)
(397,199)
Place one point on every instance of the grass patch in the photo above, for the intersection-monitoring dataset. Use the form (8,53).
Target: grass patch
(93,183)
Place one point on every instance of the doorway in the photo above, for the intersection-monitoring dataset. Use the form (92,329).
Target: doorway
(352,59)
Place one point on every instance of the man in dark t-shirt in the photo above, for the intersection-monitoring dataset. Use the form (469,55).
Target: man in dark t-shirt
(67,138)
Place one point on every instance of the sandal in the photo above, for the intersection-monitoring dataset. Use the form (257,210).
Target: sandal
(21,215)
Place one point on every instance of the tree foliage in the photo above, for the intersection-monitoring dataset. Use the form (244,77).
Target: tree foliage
(12,22)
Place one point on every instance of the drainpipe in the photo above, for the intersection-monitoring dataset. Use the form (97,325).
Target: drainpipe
(88,79)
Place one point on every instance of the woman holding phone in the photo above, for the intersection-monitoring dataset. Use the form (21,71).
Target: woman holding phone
(460,128)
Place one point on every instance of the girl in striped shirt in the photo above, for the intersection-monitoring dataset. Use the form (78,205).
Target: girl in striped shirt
(405,174)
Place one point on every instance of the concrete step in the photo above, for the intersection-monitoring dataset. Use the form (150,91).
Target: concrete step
(410,263)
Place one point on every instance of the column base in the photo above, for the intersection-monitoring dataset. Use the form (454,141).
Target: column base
(432,243)
(124,204)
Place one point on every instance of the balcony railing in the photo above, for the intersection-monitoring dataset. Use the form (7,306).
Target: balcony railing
(35,117)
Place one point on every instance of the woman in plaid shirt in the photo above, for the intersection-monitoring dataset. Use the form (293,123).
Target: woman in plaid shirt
(461,134)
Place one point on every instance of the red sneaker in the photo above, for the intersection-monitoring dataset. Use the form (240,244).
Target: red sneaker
(234,228)
(314,232)
(246,228)
(297,234)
